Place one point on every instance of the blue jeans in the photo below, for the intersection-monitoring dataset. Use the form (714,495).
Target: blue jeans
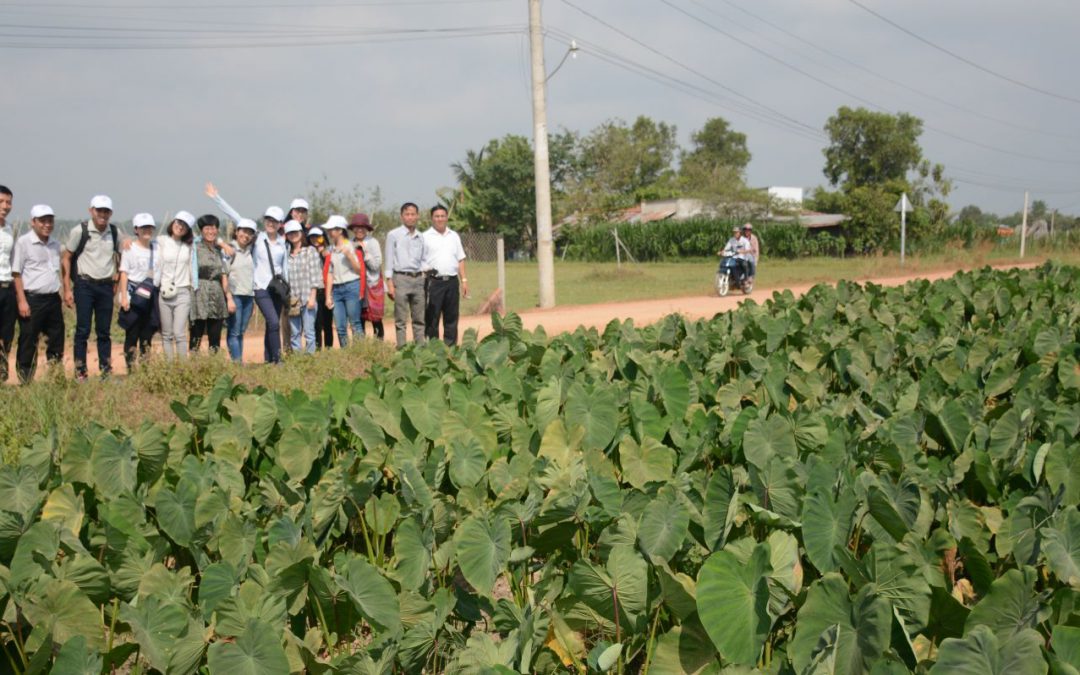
(347,310)
(93,301)
(237,326)
(305,323)
(270,308)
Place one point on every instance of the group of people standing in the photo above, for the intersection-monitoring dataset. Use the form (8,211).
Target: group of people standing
(191,282)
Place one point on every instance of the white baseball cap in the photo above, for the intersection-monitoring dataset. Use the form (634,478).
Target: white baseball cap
(41,210)
(185,217)
(142,220)
(101,202)
(292,226)
(299,203)
(315,232)
(247,224)
(274,212)
(335,223)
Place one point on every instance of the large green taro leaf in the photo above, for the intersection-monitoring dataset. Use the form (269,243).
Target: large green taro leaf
(482,545)
(647,462)
(597,413)
(1061,544)
(664,526)
(624,577)
(1011,605)
(371,593)
(826,525)
(768,438)
(62,611)
(114,465)
(857,629)
(76,658)
(720,509)
(256,651)
(733,603)
(157,627)
(982,652)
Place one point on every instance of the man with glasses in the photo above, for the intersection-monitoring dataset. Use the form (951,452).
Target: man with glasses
(89,272)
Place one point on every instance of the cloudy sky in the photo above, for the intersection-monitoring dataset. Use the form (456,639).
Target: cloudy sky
(146,101)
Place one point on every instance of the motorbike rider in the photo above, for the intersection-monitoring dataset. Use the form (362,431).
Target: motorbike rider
(738,249)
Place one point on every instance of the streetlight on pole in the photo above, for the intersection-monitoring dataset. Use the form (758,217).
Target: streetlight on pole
(545,248)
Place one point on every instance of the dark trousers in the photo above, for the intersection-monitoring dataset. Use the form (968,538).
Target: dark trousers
(138,338)
(9,312)
(211,328)
(443,300)
(324,321)
(378,330)
(93,302)
(270,308)
(46,318)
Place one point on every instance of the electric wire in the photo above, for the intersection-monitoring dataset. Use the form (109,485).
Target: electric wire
(962,59)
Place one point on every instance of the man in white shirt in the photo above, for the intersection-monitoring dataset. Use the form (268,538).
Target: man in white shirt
(444,268)
(9,309)
(35,265)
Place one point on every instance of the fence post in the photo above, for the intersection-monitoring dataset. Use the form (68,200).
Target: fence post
(500,266)
(618,254)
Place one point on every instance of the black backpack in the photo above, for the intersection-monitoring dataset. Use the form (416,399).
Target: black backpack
(85,225)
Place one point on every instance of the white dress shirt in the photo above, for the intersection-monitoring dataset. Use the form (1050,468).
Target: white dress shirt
(442,252)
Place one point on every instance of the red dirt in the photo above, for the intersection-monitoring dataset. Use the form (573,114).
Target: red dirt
(563,318)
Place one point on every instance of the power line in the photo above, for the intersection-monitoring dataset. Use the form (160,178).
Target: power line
(963,59)
(857,97)
(682,65)
(880,76)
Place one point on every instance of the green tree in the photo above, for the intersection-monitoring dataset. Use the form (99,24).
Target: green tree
(717,146)
(496,186)
(620,164)
(871,148)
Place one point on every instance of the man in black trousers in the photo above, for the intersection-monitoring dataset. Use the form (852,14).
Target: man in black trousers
(35,265)
(444,267)
(8,308)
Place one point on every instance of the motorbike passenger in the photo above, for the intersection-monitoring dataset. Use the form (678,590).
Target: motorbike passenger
(754,248)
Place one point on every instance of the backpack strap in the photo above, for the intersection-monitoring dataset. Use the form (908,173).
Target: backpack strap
(85,237)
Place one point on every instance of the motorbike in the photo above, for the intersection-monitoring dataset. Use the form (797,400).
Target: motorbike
(733,274)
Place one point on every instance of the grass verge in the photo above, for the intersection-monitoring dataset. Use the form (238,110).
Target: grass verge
(60,403)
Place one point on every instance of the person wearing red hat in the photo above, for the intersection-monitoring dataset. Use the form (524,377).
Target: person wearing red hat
(375,294)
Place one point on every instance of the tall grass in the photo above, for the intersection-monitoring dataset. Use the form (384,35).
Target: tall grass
(62,405)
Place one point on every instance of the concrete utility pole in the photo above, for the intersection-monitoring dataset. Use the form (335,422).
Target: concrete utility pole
(1023,226)
(545,248)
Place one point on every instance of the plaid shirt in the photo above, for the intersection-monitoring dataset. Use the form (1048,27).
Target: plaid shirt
(305,272)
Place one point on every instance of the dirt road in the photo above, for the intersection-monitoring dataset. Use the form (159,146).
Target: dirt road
(566,318)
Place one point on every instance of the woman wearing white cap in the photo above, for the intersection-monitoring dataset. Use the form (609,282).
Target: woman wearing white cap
(241,283)
(269,256)
(343,282)
(174,279)
(305,277)
(138,293)
(299,209)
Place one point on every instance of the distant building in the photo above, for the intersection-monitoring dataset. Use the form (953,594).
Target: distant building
(786,197)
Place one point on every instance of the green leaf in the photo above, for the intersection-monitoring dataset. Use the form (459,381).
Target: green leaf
(597,413)
(1066,643)
(721,508)
(76,658)
(674,389)
(371,593)
(468,462)
(768,438)
(895,507)
(157,626)
(982,652)
(482,546)
(176,512)
(298,449)
(114,465)
(609,657)
(624,577)
(425,408)
(733,603)
(1061,544)
(649,462)
(64,507)
(256,651)
(1010,606)
(684,650)
(949,426)
(381,514)
(19,491)
(664,526)
(361,423)
(860,626)
(61,610)
(826,525)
